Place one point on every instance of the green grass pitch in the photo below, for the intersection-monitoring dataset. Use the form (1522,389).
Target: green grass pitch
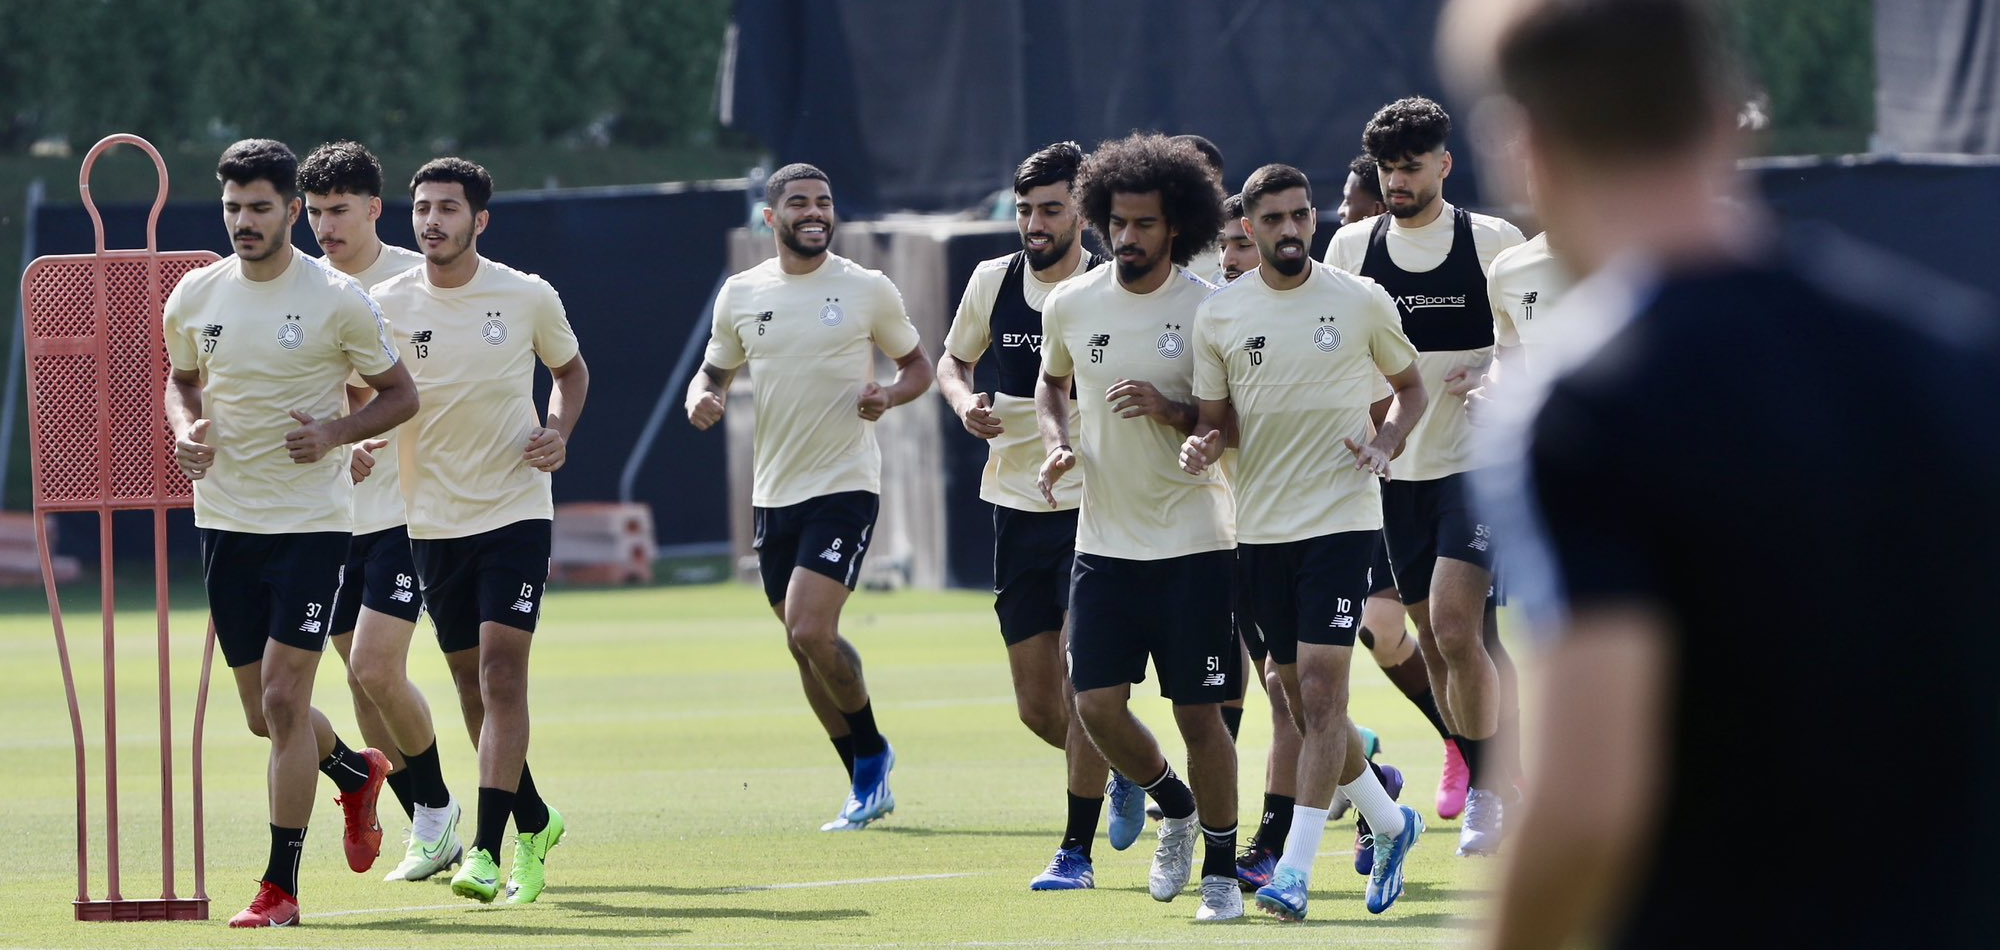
(669,729)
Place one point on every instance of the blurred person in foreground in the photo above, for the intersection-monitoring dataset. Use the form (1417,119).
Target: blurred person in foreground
(1736,405)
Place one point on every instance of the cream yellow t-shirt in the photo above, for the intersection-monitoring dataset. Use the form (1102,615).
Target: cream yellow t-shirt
(1524,285)
(807,339)
(472,352)
(265,348)
(1137,502)
(1014,457)
(1441,442)
(378,502)
(1300,367)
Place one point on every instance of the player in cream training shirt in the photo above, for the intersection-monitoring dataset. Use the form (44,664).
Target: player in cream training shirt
(260,346)
(1155,545)
(375,616)
(808,323)
(999,324)
(476,464)
(1291,355)
(1433,258)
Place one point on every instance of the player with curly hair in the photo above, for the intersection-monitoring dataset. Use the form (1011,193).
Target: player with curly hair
(1154,544)
(1433,259)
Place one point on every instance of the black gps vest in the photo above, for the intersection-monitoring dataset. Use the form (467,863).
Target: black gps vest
(1016,330)
(1444,308)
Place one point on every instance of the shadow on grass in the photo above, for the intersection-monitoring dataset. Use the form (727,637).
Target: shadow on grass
(918,832)
(600,909)
(457,926)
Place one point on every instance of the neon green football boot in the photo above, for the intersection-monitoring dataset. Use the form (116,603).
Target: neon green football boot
(479,877)
(531,855)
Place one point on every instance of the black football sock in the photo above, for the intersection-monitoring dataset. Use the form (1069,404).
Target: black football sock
(496,805)
(1275,824)
(531,814)
(845,746)
(1082,825)
(347,768)
(861,729)
(1175,799)
(282,868)
(427,786)
(1218,856)
(399,782)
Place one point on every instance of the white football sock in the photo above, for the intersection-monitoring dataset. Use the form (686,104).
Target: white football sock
(1385,817)
(1302,842)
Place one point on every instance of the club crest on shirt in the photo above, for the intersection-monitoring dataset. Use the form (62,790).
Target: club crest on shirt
(1170,344)
(1326,336)
(290,335)
(831,314)
(494,332)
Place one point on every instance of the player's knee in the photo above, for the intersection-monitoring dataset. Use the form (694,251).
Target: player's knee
(1324,698)
(1050,724)
(284,707)
(374,676)
(1098,708)
(254,718)
(809,637)
(503,680)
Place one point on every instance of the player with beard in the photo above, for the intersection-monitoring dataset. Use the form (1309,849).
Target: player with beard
(1384,624)
(1239,253)
(1034,548)
(806,321)
(1433,259)
(1285,359)
(260,345)
(477,466)
(1154,544)
(376,613)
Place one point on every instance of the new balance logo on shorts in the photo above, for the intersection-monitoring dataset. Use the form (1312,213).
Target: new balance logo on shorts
(1482,537)
(1214,679)
(310,626)
(832,554)
(526,603)
(401,596)
(1342,622)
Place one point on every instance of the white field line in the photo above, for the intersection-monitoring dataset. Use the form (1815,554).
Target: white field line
(843,883)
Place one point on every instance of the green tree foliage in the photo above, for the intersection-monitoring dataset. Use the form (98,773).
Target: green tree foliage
(417,74)
(1815,61)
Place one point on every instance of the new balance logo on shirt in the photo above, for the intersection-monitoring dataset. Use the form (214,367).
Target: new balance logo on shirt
(1254,343)
(1100,339)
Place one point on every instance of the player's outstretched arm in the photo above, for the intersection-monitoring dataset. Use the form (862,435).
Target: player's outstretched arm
(548,446)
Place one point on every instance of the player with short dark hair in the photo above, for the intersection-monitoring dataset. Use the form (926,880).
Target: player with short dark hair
(1154,544)
(1285,360)
(1239,253)
(260,345)
(807,322)
(476,471)
(1034,549)
(1361,193)
(1709,414)
(1433,259)
(376,612)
